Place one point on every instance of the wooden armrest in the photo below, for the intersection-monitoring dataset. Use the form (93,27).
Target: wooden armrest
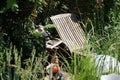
(53,43)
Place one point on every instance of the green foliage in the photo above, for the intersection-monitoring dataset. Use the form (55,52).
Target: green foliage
(10,4)
(12,68)
(80,67)
(103,30)
(51,7)
(20,27)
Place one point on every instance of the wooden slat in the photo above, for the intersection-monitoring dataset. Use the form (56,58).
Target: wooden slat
(77,31)
(69,30)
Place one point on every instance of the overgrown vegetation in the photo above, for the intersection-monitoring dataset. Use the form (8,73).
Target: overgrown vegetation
(18,20)
(12,66)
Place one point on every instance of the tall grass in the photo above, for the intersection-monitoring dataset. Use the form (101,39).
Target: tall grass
(80,67)
(12,66)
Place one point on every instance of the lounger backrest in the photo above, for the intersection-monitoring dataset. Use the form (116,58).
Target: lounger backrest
(69,30)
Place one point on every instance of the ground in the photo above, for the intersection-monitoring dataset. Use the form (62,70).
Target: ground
(65,75)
